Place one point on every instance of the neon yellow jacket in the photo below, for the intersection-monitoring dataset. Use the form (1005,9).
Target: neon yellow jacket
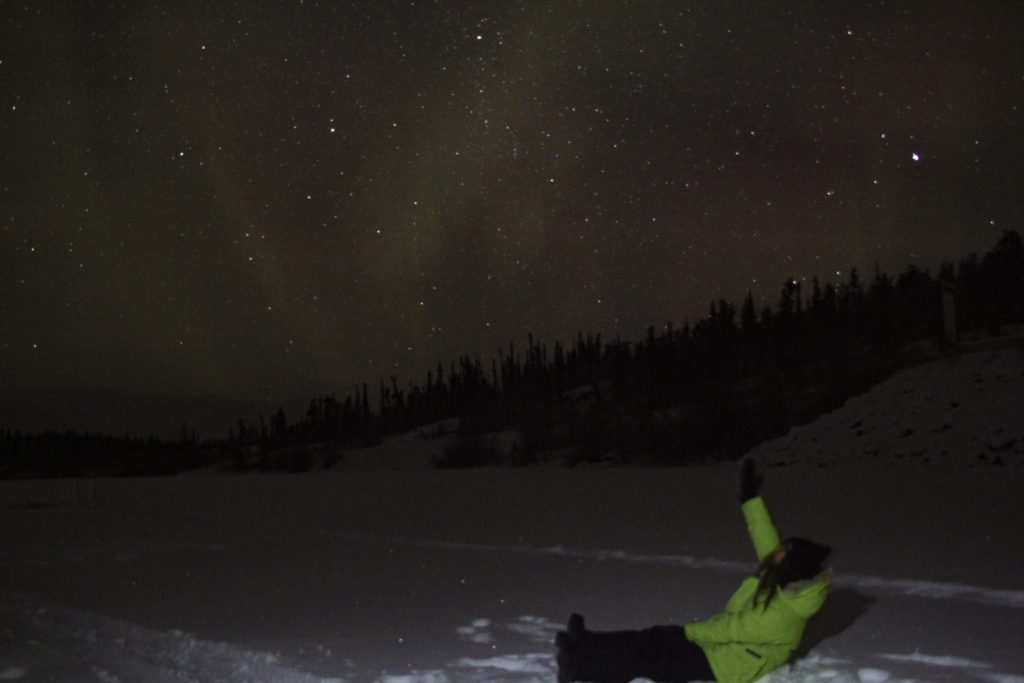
(746,641)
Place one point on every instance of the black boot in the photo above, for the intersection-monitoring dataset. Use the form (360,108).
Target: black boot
(566,644)
(563,657)
(576,628)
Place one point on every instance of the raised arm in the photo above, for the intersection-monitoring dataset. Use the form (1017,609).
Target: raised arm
(750,481)
(759,522)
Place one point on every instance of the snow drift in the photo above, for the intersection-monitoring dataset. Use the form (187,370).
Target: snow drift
(407,574)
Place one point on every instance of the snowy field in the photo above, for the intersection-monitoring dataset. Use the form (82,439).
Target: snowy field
(396,573)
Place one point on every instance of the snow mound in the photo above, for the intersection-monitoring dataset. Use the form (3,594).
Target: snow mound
(56,641)
(526,663)
(476,632)
(412,451)
(416,677)
(536,629)
(962,409)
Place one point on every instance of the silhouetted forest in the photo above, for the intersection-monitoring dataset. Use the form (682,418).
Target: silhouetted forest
(707,390)
(74,454)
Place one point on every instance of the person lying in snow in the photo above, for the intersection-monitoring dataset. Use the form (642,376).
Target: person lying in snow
(757,633)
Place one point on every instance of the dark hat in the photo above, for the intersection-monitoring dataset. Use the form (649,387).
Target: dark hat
(804,558)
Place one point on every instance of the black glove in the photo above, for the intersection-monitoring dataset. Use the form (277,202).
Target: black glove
(750,483)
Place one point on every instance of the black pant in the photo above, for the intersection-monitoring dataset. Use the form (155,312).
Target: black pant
(661,653)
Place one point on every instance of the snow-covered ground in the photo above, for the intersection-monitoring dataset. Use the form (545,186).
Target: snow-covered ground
(406,574)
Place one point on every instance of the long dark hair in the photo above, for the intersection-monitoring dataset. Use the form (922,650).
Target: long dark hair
(801,559)
(771,575)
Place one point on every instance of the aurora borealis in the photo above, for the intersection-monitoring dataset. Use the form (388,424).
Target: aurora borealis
(277,199)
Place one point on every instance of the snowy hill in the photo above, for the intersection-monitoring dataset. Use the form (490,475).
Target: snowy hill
(388,571)
(966,408)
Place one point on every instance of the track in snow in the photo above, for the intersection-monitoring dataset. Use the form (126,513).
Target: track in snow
(936,590)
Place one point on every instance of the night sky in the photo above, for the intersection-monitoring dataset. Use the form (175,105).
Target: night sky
(281,199)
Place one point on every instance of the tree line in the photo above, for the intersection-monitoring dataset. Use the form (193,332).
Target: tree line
(73,454)
(710,389)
